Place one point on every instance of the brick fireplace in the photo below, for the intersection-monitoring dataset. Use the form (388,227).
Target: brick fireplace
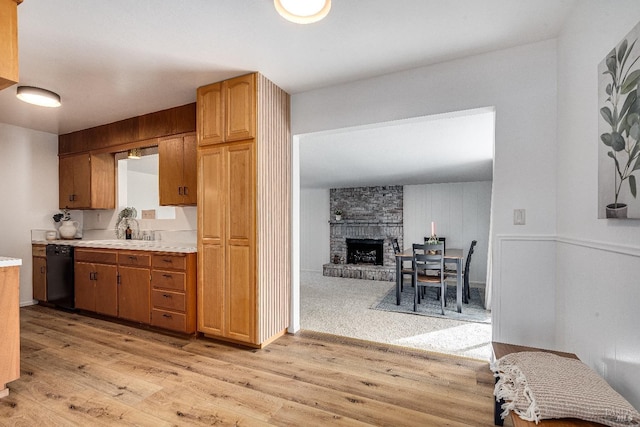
(360,242)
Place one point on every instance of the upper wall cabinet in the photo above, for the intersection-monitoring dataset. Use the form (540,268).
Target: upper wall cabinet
(177,170)
(87,181)
(227,110)
(139,130)
(8,42)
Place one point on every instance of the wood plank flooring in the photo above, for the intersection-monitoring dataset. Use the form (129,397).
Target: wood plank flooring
(79,370)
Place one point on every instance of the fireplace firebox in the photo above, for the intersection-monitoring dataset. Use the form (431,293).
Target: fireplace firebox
(365,251)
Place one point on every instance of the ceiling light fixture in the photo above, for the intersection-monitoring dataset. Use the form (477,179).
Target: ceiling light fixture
(134,153)
(37,96)
(303,11)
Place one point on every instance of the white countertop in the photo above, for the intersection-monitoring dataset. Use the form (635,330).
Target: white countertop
(140,245)
(9,262)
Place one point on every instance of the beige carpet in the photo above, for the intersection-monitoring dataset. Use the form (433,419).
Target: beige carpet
(343,307)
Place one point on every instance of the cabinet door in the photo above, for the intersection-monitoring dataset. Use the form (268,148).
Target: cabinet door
(170,166)
(40,278)
(81,181)
(133,295)
(84,286)
(65,176)
(8,44)
(211,215)
(240,108)
(209,119)
(106,293)
(189,170)
(240,310)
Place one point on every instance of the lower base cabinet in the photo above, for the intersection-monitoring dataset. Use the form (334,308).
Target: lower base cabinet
(10,330)
(157,289)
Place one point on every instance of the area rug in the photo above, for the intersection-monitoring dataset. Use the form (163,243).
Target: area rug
(430,306)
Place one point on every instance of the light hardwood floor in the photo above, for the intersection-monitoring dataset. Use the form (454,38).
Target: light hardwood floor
(79,370)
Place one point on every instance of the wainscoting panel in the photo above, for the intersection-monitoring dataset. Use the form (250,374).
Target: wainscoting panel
(461,212)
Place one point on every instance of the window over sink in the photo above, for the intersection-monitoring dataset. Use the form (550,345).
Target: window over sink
(138,184)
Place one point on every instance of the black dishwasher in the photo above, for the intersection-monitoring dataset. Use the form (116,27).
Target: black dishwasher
(60,276)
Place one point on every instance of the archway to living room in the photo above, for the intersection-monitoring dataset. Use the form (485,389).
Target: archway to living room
(441,166)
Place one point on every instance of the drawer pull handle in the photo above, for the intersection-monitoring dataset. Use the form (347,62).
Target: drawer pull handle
(133,258)
(167,260)
(167,276)
(167,316)
(166,295)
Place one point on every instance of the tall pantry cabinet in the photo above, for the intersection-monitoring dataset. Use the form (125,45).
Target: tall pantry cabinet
(244,180)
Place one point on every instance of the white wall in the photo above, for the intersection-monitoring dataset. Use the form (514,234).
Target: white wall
(598,260)
(461,213)
(520,83)
(29,193)
(314,229)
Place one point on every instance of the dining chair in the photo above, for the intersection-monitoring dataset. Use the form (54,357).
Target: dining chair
(407,266)
(467,264)
(422,263)
(428,249)
(442,240)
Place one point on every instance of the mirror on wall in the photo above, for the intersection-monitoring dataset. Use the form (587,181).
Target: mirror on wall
(138,185)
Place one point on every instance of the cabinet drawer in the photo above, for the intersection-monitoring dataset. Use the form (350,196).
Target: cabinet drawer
(169,320)
(39,250)
(103,257)
(134,258)
(168,280)
(176,262)
(168,300)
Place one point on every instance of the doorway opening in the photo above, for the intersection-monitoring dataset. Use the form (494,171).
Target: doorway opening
(436,181)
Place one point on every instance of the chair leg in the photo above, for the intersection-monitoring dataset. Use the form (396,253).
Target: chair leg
(415,299)
(443,299)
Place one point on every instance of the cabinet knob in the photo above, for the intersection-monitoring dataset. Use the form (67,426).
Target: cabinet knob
(133,258)
(186,191)
(169,260)
(166,295)
(167,276)
(167,316)
(180,191)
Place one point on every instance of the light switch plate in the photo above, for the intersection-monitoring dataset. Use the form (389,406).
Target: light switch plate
(148,214)
(519,217)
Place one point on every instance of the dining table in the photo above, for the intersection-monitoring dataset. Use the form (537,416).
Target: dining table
(451,256)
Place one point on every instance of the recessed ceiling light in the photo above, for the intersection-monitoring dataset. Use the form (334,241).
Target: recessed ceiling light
(303,11)
(37,96)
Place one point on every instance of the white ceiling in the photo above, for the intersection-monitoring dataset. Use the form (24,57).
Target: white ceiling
(115,59)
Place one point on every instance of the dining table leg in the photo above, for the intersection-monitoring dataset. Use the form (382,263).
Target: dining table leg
(459,285)
(398,278)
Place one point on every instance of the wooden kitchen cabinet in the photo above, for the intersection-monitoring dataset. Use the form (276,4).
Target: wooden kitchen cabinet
(9,69)
(134,278)
(228,306)
(173,292)
(177,170)
(10,330)
(226,111)
(153,288)
(87,181)
(39,272)
(243,214)
(96,281)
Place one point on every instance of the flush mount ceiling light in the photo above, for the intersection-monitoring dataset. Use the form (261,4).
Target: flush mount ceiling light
(303,11)
(134,153)
(37,96)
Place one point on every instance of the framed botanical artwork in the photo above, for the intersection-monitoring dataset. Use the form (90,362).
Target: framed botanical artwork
(619,130)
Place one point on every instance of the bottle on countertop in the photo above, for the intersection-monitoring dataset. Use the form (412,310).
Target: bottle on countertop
(127,233)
